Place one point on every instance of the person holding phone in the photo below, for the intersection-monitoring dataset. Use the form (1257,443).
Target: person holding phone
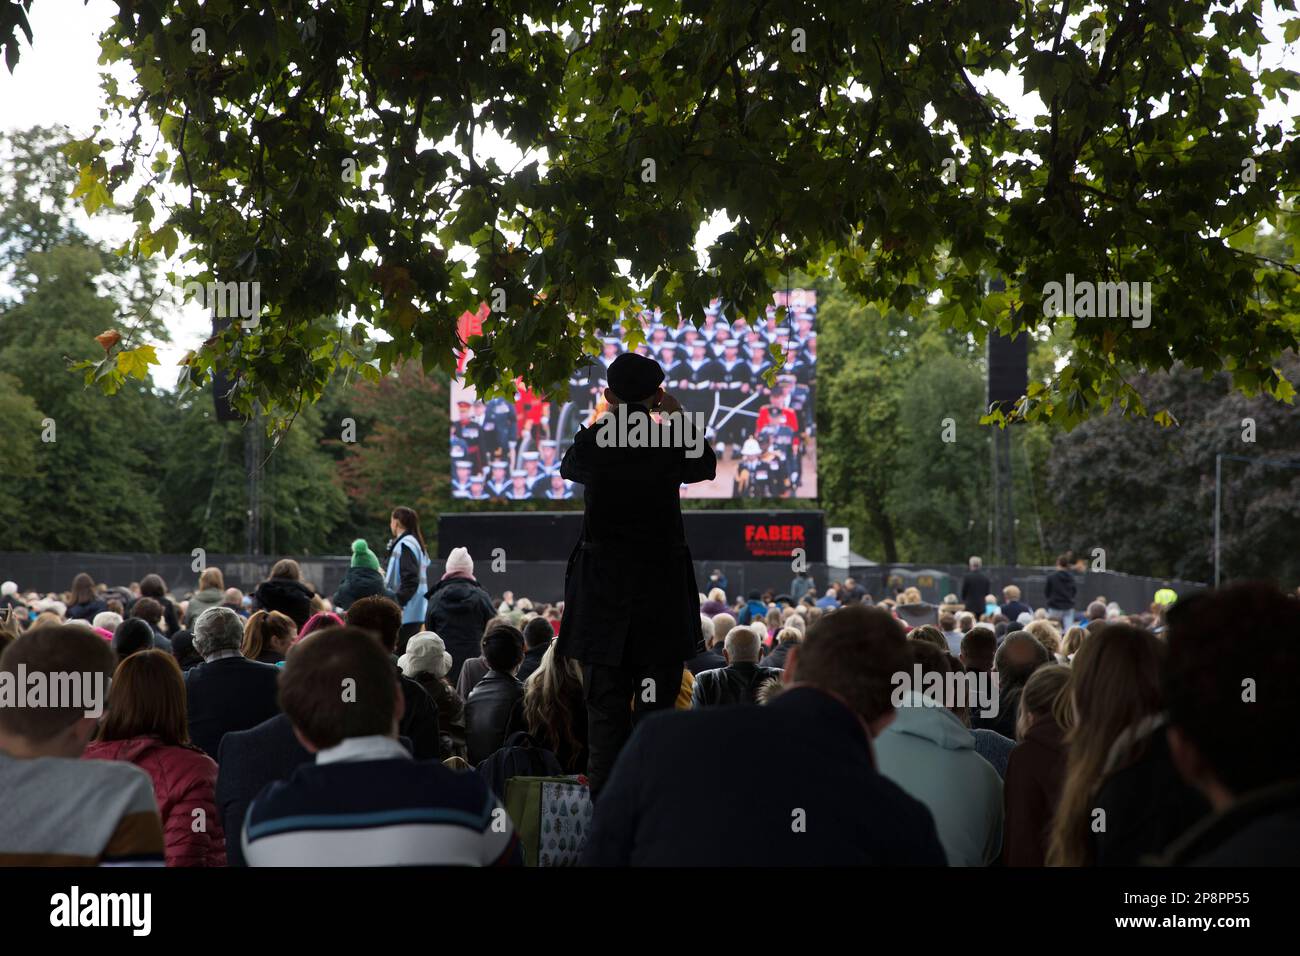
(632,614)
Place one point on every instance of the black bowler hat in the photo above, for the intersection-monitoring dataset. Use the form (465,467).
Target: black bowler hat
(634,377)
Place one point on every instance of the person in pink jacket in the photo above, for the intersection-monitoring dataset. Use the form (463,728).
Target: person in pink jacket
(145,725)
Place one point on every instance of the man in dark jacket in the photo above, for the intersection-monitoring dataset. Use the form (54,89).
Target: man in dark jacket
(1060,591)
(498,696)
(631,603)
(227,691)
(709,658)
(459,610)
(837,810)
(538,635)
(1233,691)
(975,587)
(382,617)
(740,680)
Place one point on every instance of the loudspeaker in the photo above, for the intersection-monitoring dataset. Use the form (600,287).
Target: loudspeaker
(1008,369)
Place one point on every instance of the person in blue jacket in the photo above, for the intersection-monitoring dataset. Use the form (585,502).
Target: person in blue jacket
(407,574)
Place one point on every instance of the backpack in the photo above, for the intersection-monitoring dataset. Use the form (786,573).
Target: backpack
(520,756)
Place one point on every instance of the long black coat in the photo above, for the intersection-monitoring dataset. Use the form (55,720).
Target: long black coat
(630,596)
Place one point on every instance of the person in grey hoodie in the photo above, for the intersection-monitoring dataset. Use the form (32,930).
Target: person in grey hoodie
(930,753)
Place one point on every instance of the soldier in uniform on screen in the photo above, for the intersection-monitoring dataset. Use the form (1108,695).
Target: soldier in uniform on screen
(759,361)
(675,371)
(611,349)
(519,490)
(549,461)
(659,338)
(559,490)
(499,428)
(470,432)
(776,434)
(460,478)
(809,359)
(732,384)
(721,335)
(532,471)
(477,491)
(499,480)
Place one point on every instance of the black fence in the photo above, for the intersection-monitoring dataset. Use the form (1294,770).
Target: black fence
(1132,592)
(543,580)
(54,571)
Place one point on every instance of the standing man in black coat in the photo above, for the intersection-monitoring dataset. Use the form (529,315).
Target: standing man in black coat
(631,603)
(975,588)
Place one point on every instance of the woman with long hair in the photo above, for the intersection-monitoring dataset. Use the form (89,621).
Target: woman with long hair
(407,574)
(1122,797)
(1035,768)
(554,711)
(146,724)
(267,636)
(85,603)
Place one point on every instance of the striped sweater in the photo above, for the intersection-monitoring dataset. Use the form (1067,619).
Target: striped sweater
(63,812)
(367,803)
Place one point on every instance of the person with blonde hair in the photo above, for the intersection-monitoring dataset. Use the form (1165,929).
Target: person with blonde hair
(716,603)
(267,637)
(211,593)
(1073,641)
(1012,606)
(1047,635)
(1119,769)
(554,712)
(1035,768)
(786,638)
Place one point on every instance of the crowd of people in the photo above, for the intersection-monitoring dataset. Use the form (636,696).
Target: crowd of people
(379,725)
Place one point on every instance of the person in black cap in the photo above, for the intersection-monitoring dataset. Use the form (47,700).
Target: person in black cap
(631,604)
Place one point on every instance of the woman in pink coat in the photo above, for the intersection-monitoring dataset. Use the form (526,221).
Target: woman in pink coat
(146,725)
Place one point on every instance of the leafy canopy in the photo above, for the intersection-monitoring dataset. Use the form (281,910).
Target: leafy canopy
(821,132)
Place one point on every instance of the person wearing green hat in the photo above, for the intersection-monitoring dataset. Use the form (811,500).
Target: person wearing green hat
(362,579)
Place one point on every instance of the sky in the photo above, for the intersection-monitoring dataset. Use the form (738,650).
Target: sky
(57,82)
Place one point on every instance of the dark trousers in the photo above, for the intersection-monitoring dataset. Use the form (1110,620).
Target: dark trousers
(616,698)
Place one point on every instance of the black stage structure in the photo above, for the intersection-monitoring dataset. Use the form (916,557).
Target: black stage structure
(526,552)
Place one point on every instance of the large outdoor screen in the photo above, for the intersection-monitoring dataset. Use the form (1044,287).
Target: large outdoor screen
(765,436)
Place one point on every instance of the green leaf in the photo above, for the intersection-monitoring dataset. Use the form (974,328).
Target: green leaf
(136,362)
